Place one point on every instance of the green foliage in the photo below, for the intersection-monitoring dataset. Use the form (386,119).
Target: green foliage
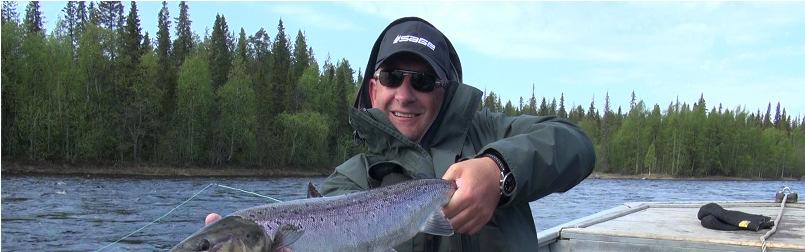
(237,122)
(220,56)
(303,139)
(93,91)
(195,101)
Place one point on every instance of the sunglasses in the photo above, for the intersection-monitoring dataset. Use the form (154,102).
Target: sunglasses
(421,82)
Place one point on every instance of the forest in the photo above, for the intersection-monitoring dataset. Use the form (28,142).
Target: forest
(97,89)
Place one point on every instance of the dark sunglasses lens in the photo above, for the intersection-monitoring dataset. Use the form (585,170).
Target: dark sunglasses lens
(391,79)
(419,81)
(423,82)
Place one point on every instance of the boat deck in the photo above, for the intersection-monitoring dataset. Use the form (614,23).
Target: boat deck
(674,227)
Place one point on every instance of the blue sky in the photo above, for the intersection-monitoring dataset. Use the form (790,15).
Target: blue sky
(735,53)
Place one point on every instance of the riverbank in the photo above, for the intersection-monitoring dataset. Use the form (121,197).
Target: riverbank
(655,176)
(158,170)
(161,170)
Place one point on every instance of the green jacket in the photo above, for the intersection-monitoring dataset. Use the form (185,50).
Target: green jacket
(545,155)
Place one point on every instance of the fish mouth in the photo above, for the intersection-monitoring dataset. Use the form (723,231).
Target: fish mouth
(231,233)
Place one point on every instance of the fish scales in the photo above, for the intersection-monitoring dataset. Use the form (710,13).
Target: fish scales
(366,221)
(373,220)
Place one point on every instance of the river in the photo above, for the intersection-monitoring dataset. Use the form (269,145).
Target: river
(57,213)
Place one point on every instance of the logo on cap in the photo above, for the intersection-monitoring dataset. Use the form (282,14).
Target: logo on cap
(414,39)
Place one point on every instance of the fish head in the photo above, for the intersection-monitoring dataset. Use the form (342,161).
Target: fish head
(230,234)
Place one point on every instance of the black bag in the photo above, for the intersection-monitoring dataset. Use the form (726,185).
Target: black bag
(715,217)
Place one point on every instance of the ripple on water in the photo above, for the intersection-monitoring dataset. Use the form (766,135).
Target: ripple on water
(93,212)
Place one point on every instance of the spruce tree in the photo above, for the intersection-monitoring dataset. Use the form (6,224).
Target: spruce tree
(9,12)
(281,63)
(220,57)
(242,50)
(183,44)
(562,112)
(166,79)
(33,18)
(300,62)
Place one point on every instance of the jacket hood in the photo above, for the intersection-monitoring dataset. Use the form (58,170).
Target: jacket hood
(458,111)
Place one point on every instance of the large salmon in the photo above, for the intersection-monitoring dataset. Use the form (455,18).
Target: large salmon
(372,220)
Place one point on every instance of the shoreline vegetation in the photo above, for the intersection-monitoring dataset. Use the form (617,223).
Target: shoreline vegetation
(159,170)
(96,91)
(152,170)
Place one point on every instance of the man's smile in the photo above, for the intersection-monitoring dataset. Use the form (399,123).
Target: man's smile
(404,115)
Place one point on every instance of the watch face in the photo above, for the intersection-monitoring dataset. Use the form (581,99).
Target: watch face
(508,185)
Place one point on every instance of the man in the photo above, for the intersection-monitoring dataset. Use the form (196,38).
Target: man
(419,120)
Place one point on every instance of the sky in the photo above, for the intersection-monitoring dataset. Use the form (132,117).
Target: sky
(746,54)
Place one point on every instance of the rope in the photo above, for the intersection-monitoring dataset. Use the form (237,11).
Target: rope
(180,205)
(763,238)
(248,192)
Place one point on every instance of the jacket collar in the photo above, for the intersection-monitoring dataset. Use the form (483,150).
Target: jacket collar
(437,150)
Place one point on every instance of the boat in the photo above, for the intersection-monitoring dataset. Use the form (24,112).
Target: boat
(674,226)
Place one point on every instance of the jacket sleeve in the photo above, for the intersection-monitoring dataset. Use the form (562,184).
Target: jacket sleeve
(545,154)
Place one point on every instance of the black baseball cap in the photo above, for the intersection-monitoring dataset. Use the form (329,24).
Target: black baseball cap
(421,39)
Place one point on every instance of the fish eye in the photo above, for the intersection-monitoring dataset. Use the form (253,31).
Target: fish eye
(205,245)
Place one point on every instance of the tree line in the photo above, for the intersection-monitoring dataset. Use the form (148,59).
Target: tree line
(96,89)
(681,140)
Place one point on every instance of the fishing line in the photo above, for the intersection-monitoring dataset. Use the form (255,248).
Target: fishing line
(182,204)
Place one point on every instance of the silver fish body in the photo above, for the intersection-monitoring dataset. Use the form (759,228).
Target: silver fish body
(373,220)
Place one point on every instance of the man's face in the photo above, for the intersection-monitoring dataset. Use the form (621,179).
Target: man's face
(411,111)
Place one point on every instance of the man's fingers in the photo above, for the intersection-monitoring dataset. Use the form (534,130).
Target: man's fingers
(467,222)
(213,217)
(457,203)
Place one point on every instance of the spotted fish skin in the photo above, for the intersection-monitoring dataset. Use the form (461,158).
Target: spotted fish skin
(372,220)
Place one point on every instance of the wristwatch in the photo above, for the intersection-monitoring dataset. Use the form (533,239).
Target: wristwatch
(507,183)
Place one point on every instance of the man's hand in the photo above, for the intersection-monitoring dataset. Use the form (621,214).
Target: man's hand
(473,204)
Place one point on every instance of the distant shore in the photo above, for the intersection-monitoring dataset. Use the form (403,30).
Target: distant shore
(655,176)
(156,170)
(161,170)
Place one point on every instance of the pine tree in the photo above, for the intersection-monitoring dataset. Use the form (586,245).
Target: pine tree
(131,41)
(777,116)
(562,113)
(281,63)
(260,69)
(220,56)
(183,44)
(9,12)
(33,18)
(70,21)
(552,107)
(300,62)
(242,50)
(532,103)
(591,113)
(82,17)
(166,78)
(543,108)
(134,109)
(110,14)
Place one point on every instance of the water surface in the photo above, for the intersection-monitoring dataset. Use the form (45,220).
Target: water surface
(84,214)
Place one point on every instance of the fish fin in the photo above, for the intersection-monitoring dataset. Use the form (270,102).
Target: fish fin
(286,235)
(438,224)
(312,192)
